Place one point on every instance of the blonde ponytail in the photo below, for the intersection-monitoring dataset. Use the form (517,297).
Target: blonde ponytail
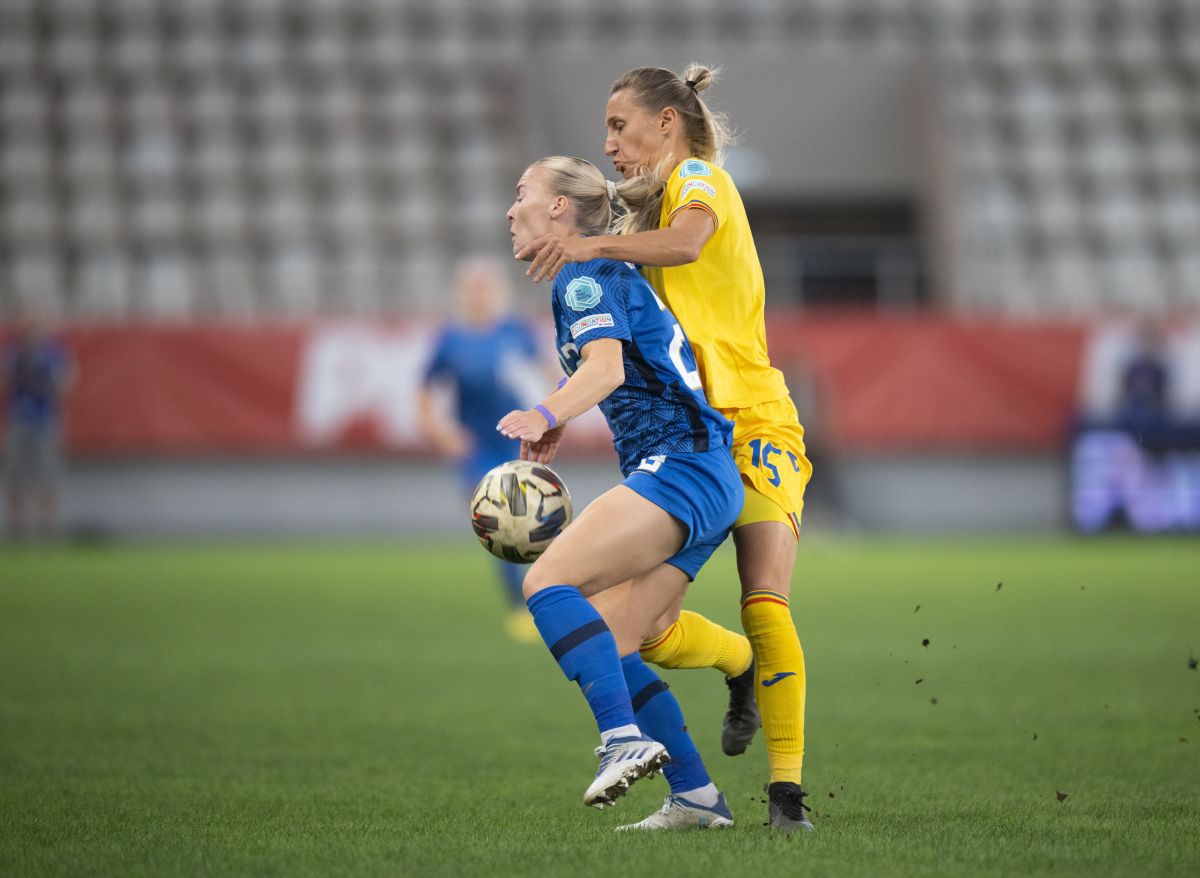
(641,196)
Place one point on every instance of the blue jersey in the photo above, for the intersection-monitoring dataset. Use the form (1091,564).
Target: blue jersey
(661,408)
(481,363)
(33,376)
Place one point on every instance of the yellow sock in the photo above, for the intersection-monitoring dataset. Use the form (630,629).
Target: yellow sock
(780,674)
(696,642)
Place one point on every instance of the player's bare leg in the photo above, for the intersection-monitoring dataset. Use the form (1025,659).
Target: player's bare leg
(683,639)
(766,558)
(619,536)
(631,609)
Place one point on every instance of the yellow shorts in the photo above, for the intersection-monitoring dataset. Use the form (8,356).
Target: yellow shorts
(768,448)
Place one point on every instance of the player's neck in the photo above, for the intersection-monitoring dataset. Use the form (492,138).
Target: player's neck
(566,229)
(672,160)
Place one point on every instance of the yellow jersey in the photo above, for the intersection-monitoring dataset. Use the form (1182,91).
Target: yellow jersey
(718,299)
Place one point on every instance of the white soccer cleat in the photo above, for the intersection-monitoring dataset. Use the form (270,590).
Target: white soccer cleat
(623,761)
(680,813)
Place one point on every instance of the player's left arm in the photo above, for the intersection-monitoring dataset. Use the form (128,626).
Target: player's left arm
(680,243)
(601,371)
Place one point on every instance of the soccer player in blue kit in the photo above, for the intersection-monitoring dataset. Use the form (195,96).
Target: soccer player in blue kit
(480,355)
(644,539)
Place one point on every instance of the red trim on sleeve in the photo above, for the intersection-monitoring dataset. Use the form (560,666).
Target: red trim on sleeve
(699,204)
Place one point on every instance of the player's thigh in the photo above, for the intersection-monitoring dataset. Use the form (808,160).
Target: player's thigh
(621,535)
(667,618)
(766,556)
(770,455)
(632,609)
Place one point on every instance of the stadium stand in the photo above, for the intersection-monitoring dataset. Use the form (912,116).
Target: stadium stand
(288,157)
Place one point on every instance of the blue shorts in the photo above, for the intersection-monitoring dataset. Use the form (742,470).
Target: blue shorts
(703,490)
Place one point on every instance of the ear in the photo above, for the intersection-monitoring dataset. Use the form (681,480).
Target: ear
(559,206)
(668,119)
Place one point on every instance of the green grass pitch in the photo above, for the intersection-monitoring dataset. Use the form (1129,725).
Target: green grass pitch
(358,710)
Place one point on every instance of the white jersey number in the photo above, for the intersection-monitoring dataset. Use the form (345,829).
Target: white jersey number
(690,377)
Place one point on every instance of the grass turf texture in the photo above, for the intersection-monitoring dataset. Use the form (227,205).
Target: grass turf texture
(359,710)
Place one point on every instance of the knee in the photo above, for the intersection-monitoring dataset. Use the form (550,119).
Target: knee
(529,585)
(547,572)
(537,578)
(766,557)
(659,626)
(627,642)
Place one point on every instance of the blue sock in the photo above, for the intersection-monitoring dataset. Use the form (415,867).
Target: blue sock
(585,650)
(660,717)
(513,576)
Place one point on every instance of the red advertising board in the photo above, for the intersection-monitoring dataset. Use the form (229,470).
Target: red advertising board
(881,383)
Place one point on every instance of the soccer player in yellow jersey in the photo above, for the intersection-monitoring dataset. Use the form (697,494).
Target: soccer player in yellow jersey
(687,229)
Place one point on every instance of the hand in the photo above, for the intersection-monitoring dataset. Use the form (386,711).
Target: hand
(453,444)
(549,253)
(528,426)
(544,450)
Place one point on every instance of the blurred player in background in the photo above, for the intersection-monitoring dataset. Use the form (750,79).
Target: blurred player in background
(688,230)
(35,374)
(482,356)
(1145,378)
(645,539)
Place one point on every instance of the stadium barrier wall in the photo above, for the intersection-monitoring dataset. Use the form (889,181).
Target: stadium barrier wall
(914,425)
(879,384)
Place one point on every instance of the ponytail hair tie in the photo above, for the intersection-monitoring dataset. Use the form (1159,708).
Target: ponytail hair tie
(691,84)
(612,189)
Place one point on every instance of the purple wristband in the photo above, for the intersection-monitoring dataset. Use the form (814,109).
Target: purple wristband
(547,414)
(564,380)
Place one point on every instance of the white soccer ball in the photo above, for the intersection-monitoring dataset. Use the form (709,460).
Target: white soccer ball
(518,508)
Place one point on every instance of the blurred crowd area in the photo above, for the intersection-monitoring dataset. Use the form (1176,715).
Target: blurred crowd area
(979,224)
(163,159)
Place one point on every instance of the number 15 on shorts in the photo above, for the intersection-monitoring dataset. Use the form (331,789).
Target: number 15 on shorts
(762,455)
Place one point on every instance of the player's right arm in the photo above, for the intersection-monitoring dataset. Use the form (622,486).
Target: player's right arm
(445,434)
(680,243)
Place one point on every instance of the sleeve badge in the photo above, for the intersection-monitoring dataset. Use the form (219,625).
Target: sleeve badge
(583,293)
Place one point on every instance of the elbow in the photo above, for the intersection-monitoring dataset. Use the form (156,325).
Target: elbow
(617,378)
(689,252)
(614,375)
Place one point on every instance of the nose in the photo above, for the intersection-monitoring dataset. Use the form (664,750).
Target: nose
(509,215)
(610,145)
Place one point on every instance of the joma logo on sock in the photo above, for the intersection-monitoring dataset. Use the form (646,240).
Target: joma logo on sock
(778,676)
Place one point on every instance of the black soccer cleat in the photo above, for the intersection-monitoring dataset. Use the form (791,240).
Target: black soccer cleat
(741,719)
(786,808)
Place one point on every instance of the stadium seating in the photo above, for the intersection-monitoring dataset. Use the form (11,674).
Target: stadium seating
(219,157)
